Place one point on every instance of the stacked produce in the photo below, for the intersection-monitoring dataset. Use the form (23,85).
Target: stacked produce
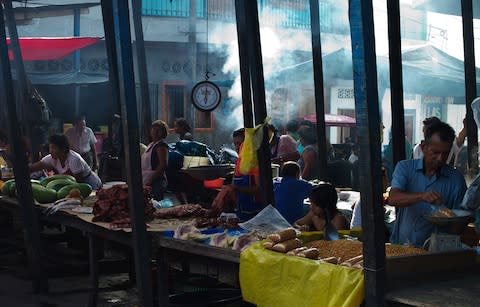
(342,252)
(112,206)
(350,253)
(286,241)
(50,189)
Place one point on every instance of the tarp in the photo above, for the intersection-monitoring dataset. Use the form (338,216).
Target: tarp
(63,78)
(269,278)
(426,70)
(50,48)
(333,120)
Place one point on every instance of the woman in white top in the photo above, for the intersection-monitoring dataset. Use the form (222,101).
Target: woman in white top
(155,161)
(62,160)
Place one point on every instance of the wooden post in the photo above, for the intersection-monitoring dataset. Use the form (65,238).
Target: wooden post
(258,90)
(142,70)
(396,81)
(21,170)
(119,12)
(319,92)
(368,122)
(470,83)
(242,35)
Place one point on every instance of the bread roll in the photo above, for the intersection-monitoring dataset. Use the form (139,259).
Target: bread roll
(286,246)
(358,265)
(295,251)
(268,244)
(284,235)
(332,260)
(352,261)
(311,253)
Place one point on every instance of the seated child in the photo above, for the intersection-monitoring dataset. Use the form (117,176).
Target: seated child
(323,201)
(290,191)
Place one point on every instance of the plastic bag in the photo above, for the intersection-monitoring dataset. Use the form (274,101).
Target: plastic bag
(476,110)
(269,278)
(266,221)
(471,199)
(248,152)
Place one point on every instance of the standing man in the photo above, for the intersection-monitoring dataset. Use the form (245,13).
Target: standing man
(419,186)
(82,140)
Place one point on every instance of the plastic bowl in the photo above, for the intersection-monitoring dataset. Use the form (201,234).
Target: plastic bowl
(214,184)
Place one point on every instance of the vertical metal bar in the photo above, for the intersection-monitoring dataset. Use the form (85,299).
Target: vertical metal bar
(127,99)
(93,262)
(259,104)
(162,277)
(142,69)
(396,81)
(470,83)
(368,123)
(21,171)
(112,56)
(318,84)
(242,34)
(23,88)
(192,52)
(76,59)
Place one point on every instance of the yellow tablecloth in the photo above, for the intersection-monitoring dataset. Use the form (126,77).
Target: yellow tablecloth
(272,279)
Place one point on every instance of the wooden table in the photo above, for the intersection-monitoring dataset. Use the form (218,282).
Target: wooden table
(163,247)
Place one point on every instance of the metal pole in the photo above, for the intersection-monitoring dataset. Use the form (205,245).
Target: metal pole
(242,35)
(368,123)
(142,70)
(22,98)
(259,104)
(127,100)
(21,171)
(192,51)
(76,59)
(470,83)
(396,81)
(318,84)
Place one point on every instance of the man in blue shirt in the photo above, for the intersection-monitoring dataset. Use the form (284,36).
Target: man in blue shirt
(290,192)
(419,186)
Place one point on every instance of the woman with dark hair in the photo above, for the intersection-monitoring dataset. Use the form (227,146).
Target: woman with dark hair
(183,129)
(282,147)
(309,160)
(323,200)
(63,160)
(155,161)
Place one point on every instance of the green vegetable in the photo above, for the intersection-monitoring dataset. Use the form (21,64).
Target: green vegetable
(57,184)
(46,180)
(85,190)
(43,195)
(7,187)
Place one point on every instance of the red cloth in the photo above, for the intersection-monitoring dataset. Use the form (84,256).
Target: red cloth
(50,48)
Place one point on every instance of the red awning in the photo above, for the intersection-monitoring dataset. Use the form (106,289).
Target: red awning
(333,120)
(50,48)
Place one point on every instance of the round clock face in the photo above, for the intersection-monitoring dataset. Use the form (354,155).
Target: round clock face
(206,96)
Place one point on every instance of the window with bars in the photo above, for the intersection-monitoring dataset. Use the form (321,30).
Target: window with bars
(283,13)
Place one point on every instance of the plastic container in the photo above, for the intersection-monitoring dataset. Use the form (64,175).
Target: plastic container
(213,184)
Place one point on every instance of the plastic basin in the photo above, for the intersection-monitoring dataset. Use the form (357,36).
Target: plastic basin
(214,184)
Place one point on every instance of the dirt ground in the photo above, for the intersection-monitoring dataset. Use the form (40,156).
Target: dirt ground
(69,282)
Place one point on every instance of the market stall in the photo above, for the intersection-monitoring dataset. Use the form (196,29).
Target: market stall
(266,277)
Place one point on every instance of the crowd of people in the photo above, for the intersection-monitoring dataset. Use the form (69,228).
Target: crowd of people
(428,177)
